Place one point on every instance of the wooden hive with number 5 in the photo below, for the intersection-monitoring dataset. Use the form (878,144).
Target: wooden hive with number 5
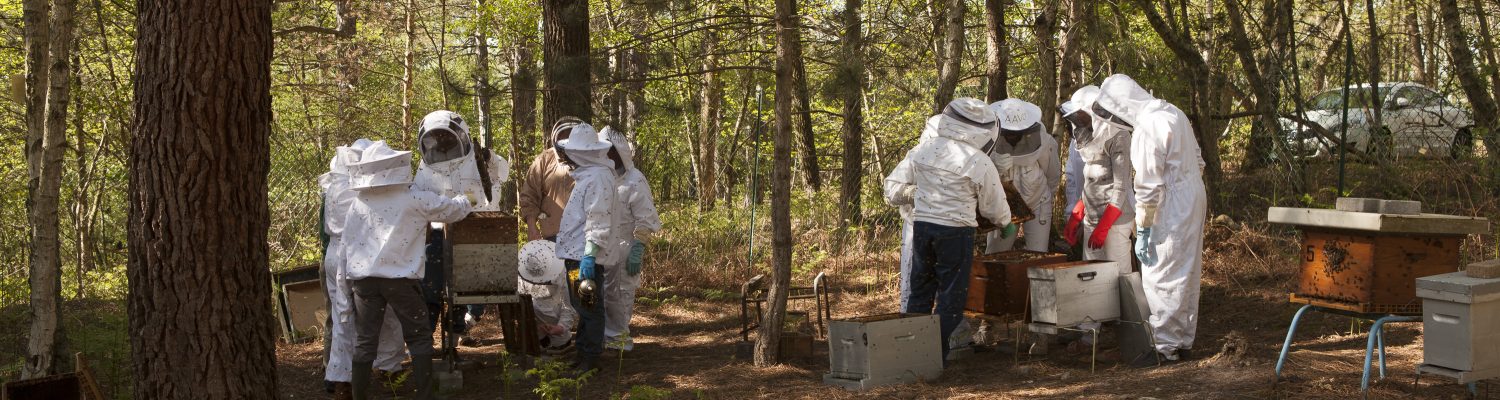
(484,254)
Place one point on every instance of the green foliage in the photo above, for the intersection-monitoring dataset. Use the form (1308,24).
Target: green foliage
(645,392)
(553,380)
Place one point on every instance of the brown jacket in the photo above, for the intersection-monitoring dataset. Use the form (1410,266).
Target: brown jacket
(545,189)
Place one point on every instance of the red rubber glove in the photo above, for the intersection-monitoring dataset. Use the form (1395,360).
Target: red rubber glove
(1075,217)
(1111,213)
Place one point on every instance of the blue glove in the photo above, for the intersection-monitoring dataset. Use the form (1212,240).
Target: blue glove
(1143,249)
(637,254)
(586,269)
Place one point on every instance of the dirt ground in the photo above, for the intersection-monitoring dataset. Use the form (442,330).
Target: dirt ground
(686,345)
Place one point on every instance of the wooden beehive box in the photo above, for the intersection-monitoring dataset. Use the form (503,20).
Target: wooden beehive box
(484,252)
(998,284)
(1369,262)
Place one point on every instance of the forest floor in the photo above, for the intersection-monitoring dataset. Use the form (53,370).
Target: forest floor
(685,344)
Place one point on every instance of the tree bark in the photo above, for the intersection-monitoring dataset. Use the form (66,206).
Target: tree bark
(482,75)
(1372,50)
(408,65)
(1080,14)
(45,154)
(1265,84)
(1485,120)
(852,83)
(524,134)
(788,51)
(1046,30)
(951,59)
(1201,78)
(1488,41)
(565,61)
(200,324)
(708,122)
(997,51)
(1419,56)
(812,173)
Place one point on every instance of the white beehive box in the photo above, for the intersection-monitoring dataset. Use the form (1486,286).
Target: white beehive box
(1460,322)
(1068,294)
(884,349)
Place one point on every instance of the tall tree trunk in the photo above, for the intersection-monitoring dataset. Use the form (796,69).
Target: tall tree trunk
(1414,33)
(524,134)
(1080,15)
(45,154)
(199,322)
(788,51)
(997,51)
(812,173)
(852,83)
(482,75)
(1373,59)
(1485,120)
(565,60)
(708,121)
(1201,78)
(1264,84)
(951,59)
(408,66)
(1488,42)
(1046,60)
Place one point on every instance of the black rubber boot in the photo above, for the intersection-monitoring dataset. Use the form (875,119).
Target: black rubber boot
(359,378)
(421,377)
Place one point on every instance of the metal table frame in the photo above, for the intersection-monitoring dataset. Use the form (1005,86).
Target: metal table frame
(1376,336)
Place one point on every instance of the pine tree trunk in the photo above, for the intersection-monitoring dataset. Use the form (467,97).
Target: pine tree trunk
(951,59)
(1414,34)
(1488,41)
(852,83)
(997,51)
(811,172)
(46,177)
(788,50)
(1080,13)
(1046,32)
(1373,59)
(408,65)
(708,122)
(482,75)
(524,133)
(565,61)
(1468,77)
(200,323)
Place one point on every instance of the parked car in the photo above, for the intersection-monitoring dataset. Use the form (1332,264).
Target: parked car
(1415,122)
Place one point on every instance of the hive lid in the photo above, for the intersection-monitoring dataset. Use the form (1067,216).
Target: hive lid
(1437,224)
(1459,284)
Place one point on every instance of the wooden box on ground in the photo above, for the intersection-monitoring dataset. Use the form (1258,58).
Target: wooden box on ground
(998,284)
(484,262)
(301,302)
(1461,322)
(884,349)
(1369,262)
(1071,293)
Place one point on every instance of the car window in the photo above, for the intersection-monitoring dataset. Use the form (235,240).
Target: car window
(1333,99)
(1422,97)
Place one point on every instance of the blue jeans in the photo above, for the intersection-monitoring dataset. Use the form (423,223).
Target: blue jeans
(434,282)
(941,259)
(590,338)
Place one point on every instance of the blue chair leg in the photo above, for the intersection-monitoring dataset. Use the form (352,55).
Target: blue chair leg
(1287,345)
(1380,341)
(1364,380)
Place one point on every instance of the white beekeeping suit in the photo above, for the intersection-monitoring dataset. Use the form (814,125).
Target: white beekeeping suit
(1171,206)
(892,186)
(1107,195)
(337,198)
(1034,170)
(593,211)
(1073,171)
(541,276)
(633,231)
(449,165)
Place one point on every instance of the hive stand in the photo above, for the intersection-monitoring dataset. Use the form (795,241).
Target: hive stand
(753,294)
(1375,337)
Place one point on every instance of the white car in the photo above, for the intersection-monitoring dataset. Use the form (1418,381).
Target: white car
(1415,122)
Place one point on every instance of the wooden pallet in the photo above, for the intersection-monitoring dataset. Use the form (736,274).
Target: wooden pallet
(1363,308)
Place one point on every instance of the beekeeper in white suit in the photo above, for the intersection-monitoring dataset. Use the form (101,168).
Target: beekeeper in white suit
(891,187)
(1171,205)
(541,276)
(951,181)
(453,165)
(340,351)
(1034,170)
(1104,210)
(586,241)
(632,232)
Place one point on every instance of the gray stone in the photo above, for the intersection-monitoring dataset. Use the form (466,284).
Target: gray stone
(1400,207)
(1357,204)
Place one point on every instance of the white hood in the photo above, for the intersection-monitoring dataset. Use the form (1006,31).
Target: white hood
(1124,98)
(622,146)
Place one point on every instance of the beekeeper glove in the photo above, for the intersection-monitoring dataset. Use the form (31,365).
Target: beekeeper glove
(1106,221)
(642,235)
(1070,233)
(1143,249)
(586,265)
(637,255)
(1009,231)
